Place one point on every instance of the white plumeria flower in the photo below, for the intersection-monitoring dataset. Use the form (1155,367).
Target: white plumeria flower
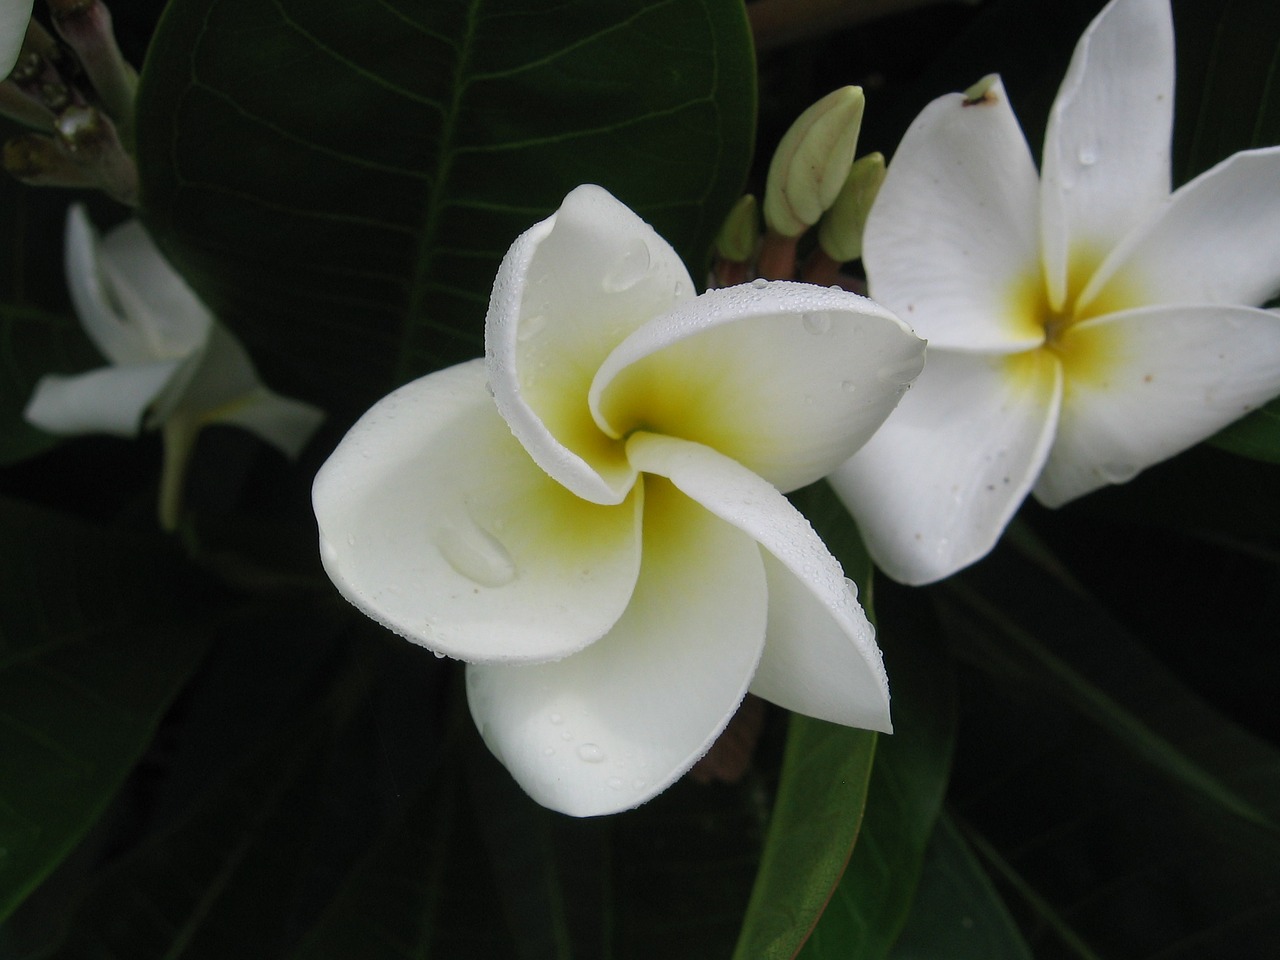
(14,17)
(173,366)
(1083,324)
(591,517)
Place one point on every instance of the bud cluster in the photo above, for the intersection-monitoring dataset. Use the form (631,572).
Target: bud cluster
(813,180)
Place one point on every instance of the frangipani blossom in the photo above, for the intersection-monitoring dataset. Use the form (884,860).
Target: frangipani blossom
(14,17)
(1083,324)
(173,366)
(591,517)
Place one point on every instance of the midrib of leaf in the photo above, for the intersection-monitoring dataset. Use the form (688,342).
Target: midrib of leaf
(1114,717)
(444,164)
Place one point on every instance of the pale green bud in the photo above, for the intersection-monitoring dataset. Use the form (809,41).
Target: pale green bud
(736,240)
(840,234)
(812,161)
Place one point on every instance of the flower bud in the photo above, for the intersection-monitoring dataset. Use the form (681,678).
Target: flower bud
(736,240)
(812,162)
(840,234)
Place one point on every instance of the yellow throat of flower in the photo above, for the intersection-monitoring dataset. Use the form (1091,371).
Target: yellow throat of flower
(1084,357)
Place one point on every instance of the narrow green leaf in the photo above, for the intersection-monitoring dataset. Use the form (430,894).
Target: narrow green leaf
(97,635)
(1117,812)
(1053,636)
(815,823)
(339,178)
(905,795)
(957,912)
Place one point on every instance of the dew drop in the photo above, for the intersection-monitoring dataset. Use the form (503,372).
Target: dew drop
(566,736)
(351,540)
(556,718)
(848,386)
(639,783)
(614,783)
(476,554)
(590,753)
(630,269)
(759,283)
(530,327)
(437,654)
(1087,156)
(817,323)
(548,751)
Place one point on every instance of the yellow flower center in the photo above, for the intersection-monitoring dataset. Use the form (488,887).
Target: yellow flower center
(1085,357)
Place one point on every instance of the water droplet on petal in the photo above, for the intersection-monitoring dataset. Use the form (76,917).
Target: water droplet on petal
(614,783)
(530,327)
(759,283)
(848,386)
(590,753)
(556,718)
(548,751)
(1087,156)
(476,554)
(817,323)
(351,540)
(630,269)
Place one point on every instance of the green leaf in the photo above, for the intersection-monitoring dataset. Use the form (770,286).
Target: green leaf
(1118,813)
(339,178)
(905,795)
(1256,436)
(33,343)
(97,636)
(957,912)
(815,823)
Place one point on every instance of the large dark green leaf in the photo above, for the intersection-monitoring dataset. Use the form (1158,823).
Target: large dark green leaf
(340,178)
(97,635)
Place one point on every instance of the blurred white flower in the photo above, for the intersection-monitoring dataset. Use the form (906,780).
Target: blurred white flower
(591,516)
(14,17)
(173,366)
(1083,324)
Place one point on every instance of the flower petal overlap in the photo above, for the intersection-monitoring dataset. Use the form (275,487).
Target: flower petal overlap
(592,517)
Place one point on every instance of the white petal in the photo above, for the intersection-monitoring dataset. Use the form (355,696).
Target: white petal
(1106,153)
(152,295)
(569,290)
(951,239)
(435,522)
(935,487)
(14,17)
(110,400)
(821,656)
(283,422)
(215,376)
(610,727)
(786,378)
(119,340)
(1146,384)
(1214,242)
